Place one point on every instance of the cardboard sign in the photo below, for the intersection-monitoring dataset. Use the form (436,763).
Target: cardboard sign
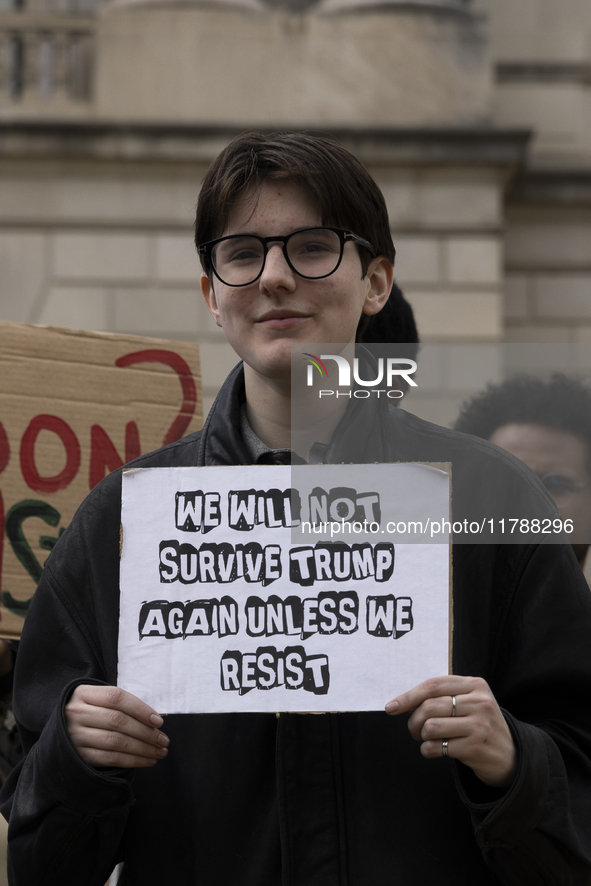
(73,407)
(222,611)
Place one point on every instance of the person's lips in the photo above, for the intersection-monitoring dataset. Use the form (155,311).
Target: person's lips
(282,319)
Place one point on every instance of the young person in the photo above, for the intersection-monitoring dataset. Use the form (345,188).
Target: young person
(547,425)
(256,799)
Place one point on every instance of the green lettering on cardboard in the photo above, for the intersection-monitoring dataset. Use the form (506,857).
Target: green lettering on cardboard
(15,518)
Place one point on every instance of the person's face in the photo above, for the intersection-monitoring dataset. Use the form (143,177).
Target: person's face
(262,320)
(553,451)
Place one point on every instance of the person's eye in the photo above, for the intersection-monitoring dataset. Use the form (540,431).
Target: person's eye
(313,246)
(240,252)
(556,484)
(243,255)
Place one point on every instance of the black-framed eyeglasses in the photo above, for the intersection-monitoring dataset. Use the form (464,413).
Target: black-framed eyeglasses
(312,253)
(561,487)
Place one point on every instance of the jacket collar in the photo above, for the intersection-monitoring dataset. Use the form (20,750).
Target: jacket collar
(221,442)
(360,438)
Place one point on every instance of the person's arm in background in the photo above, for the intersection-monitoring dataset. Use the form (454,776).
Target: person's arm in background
(6,668)
(11,751)
(66,818)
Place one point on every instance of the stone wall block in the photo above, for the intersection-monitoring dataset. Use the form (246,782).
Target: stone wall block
(582,335)
(101,256)
(556,112)
(22,274)
(457,316)
(163,313)
(274,67)
(176,257)
(536,334)
(516,297)
(417,260)
(449,205)
(126,195)
(473,260)
(582,351)
(530,244)
(566,296)
(401,198)
(77,308)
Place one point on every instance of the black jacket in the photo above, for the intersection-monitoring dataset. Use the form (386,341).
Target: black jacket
(347,799)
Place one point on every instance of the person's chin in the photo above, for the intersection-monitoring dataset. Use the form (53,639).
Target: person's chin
(274,361)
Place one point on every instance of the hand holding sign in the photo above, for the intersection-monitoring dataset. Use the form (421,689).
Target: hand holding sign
(478,734)
(110,727)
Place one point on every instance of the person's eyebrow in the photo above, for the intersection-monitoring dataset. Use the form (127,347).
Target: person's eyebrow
(284,233)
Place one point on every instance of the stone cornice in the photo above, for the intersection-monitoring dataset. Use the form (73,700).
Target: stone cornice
(544,73)
(445,7)
(552,188)
(46,21)
(167,142)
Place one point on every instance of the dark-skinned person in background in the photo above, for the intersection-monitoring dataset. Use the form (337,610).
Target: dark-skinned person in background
(547,425)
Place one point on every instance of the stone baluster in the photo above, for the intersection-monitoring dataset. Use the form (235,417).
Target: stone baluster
(4,63)
(31,43)
(81,66)
(61,62)
(16,64)
(46,65)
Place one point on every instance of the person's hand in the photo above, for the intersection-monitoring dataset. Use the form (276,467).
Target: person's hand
(110,727)
(477,734)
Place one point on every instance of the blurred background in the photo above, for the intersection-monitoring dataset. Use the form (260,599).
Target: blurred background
(473,116)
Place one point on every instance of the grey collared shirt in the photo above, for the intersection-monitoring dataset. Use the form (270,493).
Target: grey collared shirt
(262,454)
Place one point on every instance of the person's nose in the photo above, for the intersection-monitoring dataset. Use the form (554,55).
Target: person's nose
(277,276)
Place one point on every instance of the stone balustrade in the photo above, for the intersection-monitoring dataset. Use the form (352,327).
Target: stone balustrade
(45,56)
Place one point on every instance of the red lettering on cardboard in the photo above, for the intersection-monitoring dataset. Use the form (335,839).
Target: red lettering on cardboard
(182,369)
(1,539)
(4,448)
(31,475)
(103,454)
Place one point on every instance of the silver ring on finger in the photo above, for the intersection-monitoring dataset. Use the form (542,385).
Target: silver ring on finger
(453,706)
(444,748)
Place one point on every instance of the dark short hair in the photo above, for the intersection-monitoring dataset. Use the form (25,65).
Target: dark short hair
(561,402)
(336,182)
(395,323)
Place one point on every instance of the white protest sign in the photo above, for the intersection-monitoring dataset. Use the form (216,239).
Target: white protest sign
(230,603)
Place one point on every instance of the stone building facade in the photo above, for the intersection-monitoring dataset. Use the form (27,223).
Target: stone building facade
(473,115)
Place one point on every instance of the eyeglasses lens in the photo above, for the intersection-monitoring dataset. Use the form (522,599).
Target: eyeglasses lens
(559,486)
(238,261)
(314,253)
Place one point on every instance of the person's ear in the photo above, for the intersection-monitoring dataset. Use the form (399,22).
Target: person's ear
(209,297)
(380,276)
